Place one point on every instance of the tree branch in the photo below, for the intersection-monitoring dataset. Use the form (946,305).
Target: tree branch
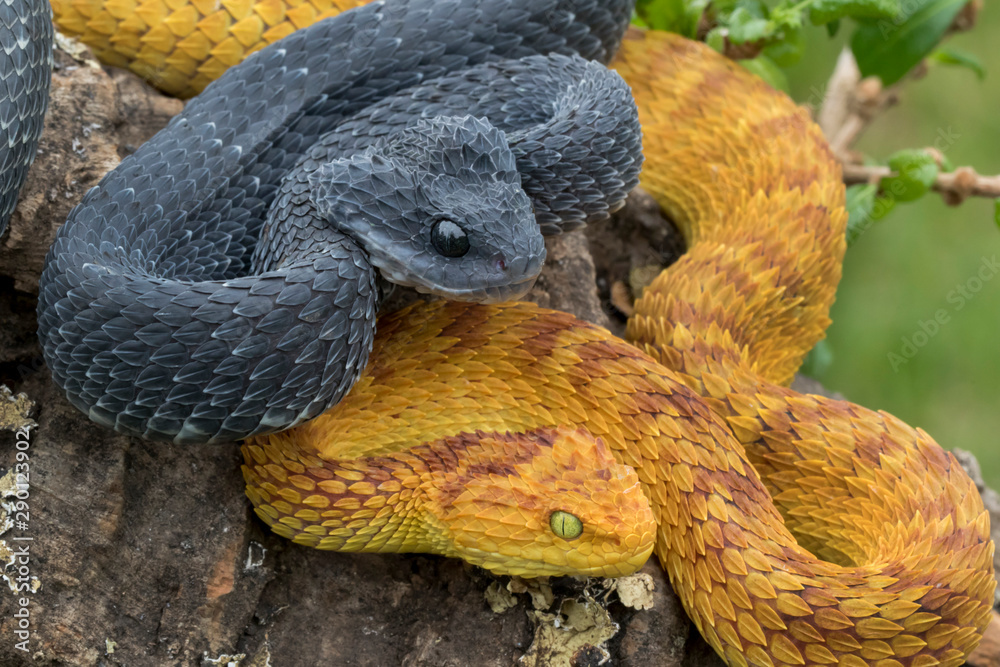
(954,186)
(850,104)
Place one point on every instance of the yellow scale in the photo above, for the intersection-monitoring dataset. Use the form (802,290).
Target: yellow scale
(180,46)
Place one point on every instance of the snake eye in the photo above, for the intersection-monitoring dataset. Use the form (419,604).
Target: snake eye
(449,239)
(565,525)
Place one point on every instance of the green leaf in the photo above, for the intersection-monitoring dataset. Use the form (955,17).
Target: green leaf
(745,27)
(765,68)
(951,56)
(786,51)
(756,8)
(832,27)
(716,39)
(818,361)
(865,208)
(889,48)
(915,173)
(788,15)
(724,7)
(825,11)
(680,16)
(860,202)
(662,14)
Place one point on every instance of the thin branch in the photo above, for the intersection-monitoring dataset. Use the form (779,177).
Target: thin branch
(954,186)
(850,104)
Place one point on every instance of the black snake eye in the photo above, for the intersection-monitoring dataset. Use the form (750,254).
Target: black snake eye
(449,239)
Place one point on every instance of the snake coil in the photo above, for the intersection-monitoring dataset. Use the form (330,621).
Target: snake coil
(346,146)
(26,73)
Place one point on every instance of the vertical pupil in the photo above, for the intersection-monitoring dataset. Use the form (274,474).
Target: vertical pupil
(565,525)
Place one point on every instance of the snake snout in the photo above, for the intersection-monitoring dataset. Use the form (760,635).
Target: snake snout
(500,279)
(438,206)
(501,266)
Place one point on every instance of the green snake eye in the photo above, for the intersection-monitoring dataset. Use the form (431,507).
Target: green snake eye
(565,525)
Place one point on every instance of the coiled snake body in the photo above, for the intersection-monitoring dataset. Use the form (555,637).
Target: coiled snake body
(160,320)
(25,74)
(796,529)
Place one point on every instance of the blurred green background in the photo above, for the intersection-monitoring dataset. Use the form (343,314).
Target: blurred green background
(902,270)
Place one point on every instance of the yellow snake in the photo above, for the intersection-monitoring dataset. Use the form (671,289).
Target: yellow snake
(797,529)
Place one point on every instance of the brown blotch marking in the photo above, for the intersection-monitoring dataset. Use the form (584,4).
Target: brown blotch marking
(490,468)
(634,34)
(719,83)
(530,445)
(464,318)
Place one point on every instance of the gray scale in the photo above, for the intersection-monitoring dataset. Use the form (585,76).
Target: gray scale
(25,75)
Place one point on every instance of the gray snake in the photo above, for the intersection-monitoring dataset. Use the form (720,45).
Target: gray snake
(220,283)
(25,75)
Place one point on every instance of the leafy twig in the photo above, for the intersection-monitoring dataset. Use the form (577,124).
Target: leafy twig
(849,107)
(955,186)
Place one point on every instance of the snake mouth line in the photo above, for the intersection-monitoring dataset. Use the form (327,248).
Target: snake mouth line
(488,295)
(498,292)
(524,567)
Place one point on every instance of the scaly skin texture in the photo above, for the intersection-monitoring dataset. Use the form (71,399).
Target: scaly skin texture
(25,75)
(852,539)
(181,47)
(796,529)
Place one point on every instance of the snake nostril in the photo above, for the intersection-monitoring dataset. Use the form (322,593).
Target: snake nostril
(500,264)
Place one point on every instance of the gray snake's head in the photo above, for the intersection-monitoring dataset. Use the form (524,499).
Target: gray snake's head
(438,207)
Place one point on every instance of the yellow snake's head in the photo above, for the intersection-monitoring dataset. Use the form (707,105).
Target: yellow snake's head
(552,502)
